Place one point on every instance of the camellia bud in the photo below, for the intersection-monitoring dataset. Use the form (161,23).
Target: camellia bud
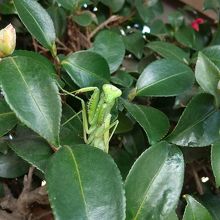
(7,41)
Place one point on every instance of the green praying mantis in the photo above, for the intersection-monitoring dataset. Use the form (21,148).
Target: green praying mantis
(96,116)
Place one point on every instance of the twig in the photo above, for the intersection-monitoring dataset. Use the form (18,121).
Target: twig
(20,208)
(197,180)
(111,19)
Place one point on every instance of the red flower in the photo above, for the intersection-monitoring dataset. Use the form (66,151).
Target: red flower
(195,24)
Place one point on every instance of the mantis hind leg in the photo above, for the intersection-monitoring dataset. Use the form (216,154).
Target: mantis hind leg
(84,116)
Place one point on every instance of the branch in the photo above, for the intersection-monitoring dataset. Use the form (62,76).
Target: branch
(111,19)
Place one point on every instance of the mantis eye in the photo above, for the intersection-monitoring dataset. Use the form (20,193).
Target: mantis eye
(111,92)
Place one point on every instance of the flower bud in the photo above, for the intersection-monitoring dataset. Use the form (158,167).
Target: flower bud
(7,41)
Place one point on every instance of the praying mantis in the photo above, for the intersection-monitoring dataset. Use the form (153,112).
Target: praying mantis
(96,116)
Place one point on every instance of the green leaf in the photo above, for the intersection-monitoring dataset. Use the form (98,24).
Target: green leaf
(165,77)
(168,50)
(216,37)
(208,75)
(154,122)
(212,203)
(32,94)
(152,176)
(195,210)
(122,78)
(85,18)
(134,43)
(199,124)
(31,148)
(12,166)
(211,4)
(172,216)
(7,118)
(70,4)
(37,21)
(176,19)
(110,45)
(215,161)
(115,5)
(90,187)
(71,130)
(87,68)
(188,37)
(147,9)
(213,54)
(58,15)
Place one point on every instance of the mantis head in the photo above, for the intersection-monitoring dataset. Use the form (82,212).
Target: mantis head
(111,92)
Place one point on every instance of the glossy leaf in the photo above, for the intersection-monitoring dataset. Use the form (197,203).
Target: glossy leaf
(32,94)
(90,187)
(147,9)
(207,75)
(71,130)
(199,124)
(11,165)
(134,43)
(58,15)
(168,50)
(85,18)
(172,216)
(31,148)
(110,45)
(195,210)
(165,77)
(212,203)
(7,118)
(87,68)
(37,21)
(187,37)
(154,122)
(122,78)
(215,161)
(115,5)
(213,54)
(69,4)
(154,183)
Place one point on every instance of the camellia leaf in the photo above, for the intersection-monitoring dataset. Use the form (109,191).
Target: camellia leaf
(212,202)
(172,216)
(189,38)
(115,5)
(168,50)
(215,155)
(165,77)
(199,124)
(11,165)
(195,210)
(32,94)
(37,21)
(90,187)
(31,148)
(146,9)
(87,68)
(213,54)
(58,15)
(110,45)
(7,118)
(85,18)
(71,129)
(69,4)
(134,43)
(208,75)
(150,189)
(154,122)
